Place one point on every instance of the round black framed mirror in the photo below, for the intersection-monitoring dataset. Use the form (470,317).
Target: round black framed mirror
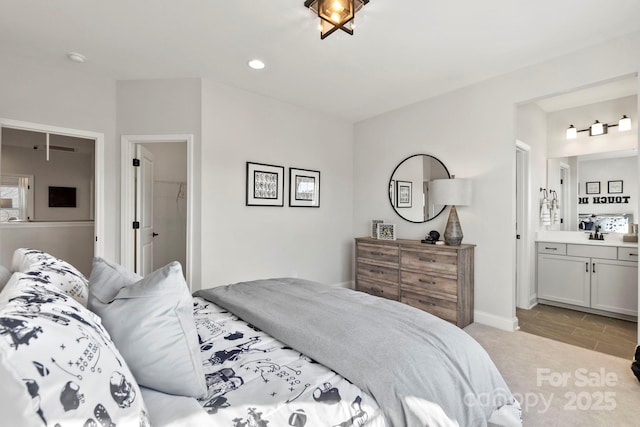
(409,187)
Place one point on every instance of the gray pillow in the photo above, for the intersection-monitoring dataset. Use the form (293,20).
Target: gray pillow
(5,275)
(151,322)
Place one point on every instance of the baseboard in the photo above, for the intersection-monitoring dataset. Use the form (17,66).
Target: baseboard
(533,301)
(499,322)
(350,284)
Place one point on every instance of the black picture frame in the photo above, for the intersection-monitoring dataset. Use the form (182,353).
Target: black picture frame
(304,188)
(265,185)
(404,194)
(592,187)
(615,187)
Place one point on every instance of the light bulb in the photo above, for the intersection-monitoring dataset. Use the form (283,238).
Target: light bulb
(337,5)
(335,17)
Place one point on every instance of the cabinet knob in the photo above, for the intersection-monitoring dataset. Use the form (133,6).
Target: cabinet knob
(429,303)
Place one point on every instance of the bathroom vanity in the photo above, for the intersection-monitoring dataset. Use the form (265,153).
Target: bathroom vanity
(598,276)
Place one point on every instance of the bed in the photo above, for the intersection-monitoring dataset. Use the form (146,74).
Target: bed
(278,352)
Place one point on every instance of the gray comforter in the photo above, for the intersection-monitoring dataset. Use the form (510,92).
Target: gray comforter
(420,369)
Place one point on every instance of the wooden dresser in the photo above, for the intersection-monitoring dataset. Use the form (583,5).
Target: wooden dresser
(434,278)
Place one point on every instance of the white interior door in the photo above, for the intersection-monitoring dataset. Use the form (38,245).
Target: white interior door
(144,211)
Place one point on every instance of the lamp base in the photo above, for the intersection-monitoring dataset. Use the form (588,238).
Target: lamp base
(453,231)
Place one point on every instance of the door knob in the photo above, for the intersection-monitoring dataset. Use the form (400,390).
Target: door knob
(154,234)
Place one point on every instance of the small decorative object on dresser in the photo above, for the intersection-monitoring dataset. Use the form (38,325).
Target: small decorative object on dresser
(387,231)
(374,227)
(437,279)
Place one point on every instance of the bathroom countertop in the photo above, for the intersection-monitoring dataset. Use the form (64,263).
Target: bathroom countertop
(582,238)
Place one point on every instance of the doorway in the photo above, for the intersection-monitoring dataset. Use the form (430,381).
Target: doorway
(83,201)
(157,202)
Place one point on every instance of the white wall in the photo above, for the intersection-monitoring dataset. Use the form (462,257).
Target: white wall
(70,241)
(247,242)
(165,107)
(64,169)
(70,95)
(473,132)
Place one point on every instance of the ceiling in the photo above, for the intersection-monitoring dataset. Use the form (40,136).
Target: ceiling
(402,51)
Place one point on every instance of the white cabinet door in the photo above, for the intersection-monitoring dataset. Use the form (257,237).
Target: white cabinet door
(564,279)
(614,286)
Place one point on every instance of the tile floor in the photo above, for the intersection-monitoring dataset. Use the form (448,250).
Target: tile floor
(603,334)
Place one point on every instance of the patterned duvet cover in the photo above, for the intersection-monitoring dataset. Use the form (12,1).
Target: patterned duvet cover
(255,380)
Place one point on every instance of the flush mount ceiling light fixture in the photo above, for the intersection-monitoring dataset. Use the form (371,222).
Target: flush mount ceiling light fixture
(335,14)
(624,124)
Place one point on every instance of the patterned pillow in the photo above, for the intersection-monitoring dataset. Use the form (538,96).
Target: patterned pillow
(5,275)
(58,364)
(46,268)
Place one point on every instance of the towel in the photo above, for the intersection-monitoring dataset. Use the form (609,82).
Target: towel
(545,212)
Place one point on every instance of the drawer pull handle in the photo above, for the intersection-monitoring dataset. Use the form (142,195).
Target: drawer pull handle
(631,254)
(551,249)
(586,267)
(594,267)
(377,253)
(428,282)
(426,259)
(429,303)
(377,271)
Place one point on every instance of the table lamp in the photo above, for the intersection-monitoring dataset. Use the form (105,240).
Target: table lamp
(453,192)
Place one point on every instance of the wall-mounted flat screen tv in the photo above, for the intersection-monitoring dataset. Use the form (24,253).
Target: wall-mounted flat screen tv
(62,197)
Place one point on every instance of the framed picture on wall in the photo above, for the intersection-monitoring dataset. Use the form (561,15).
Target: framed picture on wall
(304,188)
(593,187)
(403,194)
(614,187)
(265,185)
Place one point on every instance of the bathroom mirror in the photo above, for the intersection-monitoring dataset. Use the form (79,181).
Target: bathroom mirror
(409,187)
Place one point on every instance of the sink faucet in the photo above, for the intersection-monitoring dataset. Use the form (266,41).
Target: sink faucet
(597,235)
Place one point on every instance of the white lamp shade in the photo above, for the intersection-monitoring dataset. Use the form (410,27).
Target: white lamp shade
(453,192)
(597,128)
(572,132)
(624,124)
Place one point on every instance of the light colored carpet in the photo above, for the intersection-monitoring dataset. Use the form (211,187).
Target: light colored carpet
(562,385)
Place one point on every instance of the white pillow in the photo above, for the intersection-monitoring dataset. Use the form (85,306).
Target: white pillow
(49,269)
(5,275)
(151,322)
(58,364)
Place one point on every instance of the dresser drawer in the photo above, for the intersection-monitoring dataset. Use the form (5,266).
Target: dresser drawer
(378,253)
(446,310)
(591,251)
(552,248)
(378,289)
(443,262)
(431,285)
(628,254)
(377,273)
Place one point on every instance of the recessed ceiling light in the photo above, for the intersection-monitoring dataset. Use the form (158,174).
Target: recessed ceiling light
(76,57)
(256,64)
